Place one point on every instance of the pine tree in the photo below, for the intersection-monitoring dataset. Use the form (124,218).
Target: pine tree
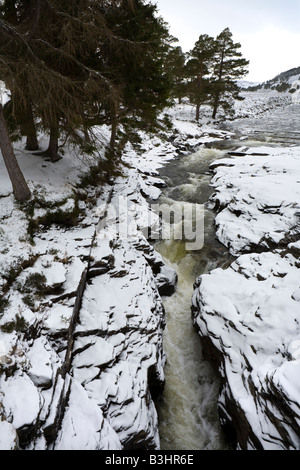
(229,67)
(198,69)
(69,39)
(138,72)
(47,53)
(175,68)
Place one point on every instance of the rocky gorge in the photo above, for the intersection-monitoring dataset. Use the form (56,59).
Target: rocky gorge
(82,315)
(82,318)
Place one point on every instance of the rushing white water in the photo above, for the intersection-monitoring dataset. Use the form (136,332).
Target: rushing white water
(188,409)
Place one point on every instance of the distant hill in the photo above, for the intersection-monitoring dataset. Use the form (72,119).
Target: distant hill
(285,81)
(287,76)
(245,84)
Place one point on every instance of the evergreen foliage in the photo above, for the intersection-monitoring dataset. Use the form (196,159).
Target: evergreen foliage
(175,68)
(198,70)
(229,67)
(70,66)
(212,70)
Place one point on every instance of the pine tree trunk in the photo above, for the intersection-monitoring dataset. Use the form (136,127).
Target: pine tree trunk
(53,146)
(32,143)
(28,129)
(113,136)
(52,150)
(214,112)
(216,105)
(197,112)
(20,189)
(24,116)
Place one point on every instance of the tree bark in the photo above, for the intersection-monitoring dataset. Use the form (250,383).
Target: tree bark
(20,189)
(28,129)
(31,143)
(52,150)
(113,136)
(197,112)
(23,114)
(216,105)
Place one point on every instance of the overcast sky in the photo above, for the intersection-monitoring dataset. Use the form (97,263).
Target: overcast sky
(268,30)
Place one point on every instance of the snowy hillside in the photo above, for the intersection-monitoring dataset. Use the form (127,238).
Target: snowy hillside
(285,81)
(246,84)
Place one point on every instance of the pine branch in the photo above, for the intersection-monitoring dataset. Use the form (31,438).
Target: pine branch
(36,19)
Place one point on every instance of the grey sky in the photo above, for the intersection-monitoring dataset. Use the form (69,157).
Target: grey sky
(268,30)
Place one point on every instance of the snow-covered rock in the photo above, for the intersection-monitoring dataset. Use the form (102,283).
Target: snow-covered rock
(248,315)
(258,198)
(9,436)
(21,401)
(82,322)
(251,327)
(83,426)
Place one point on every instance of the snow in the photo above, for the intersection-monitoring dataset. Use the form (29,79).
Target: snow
(21,399)
(250,310)
(98,352)
(9,437)
(115,336)
(263,203)
(85,420)
(40,359)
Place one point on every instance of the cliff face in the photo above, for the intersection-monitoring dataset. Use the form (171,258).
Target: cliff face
(248,315)
(116,360)
(82,373)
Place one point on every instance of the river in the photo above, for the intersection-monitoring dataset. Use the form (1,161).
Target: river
(187,410)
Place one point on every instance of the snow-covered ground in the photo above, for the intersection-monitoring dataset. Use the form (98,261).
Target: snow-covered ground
(81,316)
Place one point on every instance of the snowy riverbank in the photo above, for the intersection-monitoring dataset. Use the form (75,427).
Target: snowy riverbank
(248,315)
(81,318)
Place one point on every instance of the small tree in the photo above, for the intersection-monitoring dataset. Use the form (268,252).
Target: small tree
(229,67)
(198,69)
